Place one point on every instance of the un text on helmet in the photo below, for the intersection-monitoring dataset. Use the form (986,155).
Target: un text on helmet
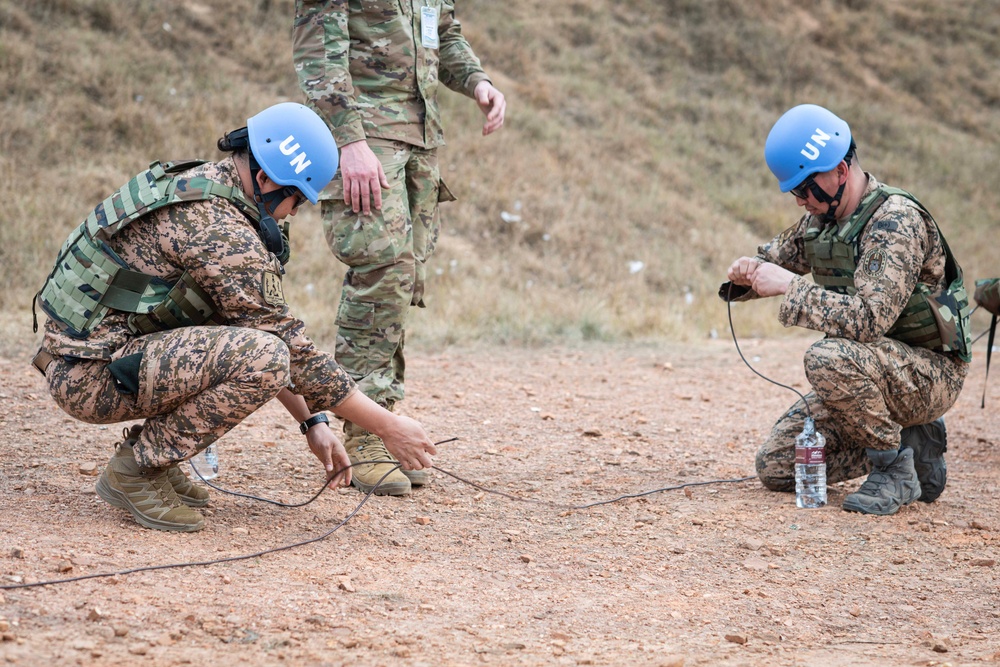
(811,152)
(299,161)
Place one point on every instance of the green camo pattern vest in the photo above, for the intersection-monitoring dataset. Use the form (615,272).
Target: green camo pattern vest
(939,322)
(89,278)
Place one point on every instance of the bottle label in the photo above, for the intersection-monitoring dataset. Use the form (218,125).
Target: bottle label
(810,455)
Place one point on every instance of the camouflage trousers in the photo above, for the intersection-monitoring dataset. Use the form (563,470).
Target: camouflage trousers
(863,394)
(195,384)
(385,253)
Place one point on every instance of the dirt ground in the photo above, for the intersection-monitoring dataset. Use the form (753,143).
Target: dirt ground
(723,574)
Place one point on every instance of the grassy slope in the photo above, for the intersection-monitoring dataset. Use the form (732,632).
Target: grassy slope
(634,133)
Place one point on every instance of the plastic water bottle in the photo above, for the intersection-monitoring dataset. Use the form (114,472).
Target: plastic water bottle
(206,462)
(810,467)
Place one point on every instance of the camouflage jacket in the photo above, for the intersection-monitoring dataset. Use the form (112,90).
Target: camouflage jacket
(912,247)
(364,66)
(221,248)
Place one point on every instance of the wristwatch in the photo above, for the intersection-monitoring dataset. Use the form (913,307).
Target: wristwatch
(312,421)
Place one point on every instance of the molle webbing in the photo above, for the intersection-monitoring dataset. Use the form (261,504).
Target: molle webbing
(89,278)
(935,321)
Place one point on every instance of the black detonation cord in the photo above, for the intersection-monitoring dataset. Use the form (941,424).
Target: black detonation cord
(729,309)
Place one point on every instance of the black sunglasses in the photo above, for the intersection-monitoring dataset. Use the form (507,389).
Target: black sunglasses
(291,191)
(802,190)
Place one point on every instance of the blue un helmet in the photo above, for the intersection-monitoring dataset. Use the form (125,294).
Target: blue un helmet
(806,140)
(294,147)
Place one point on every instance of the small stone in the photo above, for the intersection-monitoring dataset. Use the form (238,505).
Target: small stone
(89,469)
(138,649)
(855,611)
(983,562)
(4,625)
(753,544)
(736,638)
(226,579)
(64,566)
(697,522)
(977,525)
(7,636)
(95,614)
(240,530)
(939,648)
(423,520)
(593,433)
(17,552)
(426,607)
(526,558)
(121,631)
(898,560)
(755,564)
(345,585)
(673,661)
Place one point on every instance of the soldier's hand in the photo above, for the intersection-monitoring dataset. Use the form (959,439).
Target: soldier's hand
(771,279)
(492,103)
(741,272)
(406,440)
(325,444)
(363,176)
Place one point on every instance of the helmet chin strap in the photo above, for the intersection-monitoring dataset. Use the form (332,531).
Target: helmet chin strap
(833,203)
(267,204)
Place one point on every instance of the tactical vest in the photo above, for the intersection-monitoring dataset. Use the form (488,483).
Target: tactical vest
(89,278)
(938,322)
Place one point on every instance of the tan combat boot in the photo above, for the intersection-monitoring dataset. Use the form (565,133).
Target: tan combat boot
(146,493)
(191,494)
(363,446)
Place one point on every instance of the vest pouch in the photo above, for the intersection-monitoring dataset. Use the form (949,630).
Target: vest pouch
(185,305)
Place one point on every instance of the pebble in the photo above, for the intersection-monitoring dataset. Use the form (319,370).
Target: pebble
(593,433)
(138,649)
(755,564)
(983,562)
(423,520)
(4,625)
(345,585)
(526,558)
(88,468)
(64,566)
(17,552)
(736,638)
(976,525)
(240,530)
(753,544)
(95,614)
(121,631)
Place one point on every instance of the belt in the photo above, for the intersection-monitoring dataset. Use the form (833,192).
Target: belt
(41,360)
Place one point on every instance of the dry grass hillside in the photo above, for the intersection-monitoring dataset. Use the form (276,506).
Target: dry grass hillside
(634,134)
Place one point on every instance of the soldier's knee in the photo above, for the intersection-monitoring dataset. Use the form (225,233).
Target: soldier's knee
(273,362)
(773,472)
(830,358)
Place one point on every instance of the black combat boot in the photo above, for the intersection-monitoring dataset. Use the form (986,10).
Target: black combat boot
(929,442)
(891,484)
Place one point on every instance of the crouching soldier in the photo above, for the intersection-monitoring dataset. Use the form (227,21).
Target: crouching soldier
(890,298)
(166,305)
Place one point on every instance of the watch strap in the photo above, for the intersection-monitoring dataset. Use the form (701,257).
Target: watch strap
(312,421)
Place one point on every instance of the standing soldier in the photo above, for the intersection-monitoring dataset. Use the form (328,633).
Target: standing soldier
(890,298)
(371,69)
(166,305)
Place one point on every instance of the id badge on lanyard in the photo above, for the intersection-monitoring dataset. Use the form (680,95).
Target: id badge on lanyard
(429,27)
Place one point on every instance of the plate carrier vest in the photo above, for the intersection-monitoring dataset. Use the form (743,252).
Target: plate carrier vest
(938,322)
(89,278)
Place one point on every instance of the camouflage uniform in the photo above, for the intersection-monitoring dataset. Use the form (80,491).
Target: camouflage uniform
(865,386)
(195,383)
(365,67)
